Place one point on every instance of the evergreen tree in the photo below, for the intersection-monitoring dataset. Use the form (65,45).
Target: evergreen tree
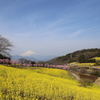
(82,59)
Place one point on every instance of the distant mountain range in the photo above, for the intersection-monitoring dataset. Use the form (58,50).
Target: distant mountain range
(33,58)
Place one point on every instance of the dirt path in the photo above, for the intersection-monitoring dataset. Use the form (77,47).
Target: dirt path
(97,81)
(76,76)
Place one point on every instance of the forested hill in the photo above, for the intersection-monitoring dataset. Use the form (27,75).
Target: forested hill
(74,56)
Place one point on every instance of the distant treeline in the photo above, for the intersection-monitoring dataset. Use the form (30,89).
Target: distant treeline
(84,55)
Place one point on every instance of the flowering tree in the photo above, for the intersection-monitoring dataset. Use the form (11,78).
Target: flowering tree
(4,61)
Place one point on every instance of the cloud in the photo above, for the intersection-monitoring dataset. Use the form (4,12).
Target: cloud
(75,34)
(28,53)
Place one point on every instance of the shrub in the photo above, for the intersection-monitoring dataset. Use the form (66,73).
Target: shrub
(96,73)
(85,82)
(97,63)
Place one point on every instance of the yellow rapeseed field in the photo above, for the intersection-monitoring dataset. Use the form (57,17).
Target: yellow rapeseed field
(82,64)
(97,58)
(42,84)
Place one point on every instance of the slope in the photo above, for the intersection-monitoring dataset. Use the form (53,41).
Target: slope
(25,84)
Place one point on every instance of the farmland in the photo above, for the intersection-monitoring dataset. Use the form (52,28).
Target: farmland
(97,58)
(82,64)
(42,84)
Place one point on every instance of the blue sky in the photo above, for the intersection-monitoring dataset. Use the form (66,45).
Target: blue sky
(50,27)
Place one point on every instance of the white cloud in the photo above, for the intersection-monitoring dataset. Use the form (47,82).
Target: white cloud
(28,53)
(75,34)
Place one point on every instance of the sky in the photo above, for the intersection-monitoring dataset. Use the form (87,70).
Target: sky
(50,27)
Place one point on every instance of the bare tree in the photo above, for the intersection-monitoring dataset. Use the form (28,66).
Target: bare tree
(41,62)
(5,46)
(22,60)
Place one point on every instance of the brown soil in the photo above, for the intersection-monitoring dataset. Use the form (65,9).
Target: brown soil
(86,76)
